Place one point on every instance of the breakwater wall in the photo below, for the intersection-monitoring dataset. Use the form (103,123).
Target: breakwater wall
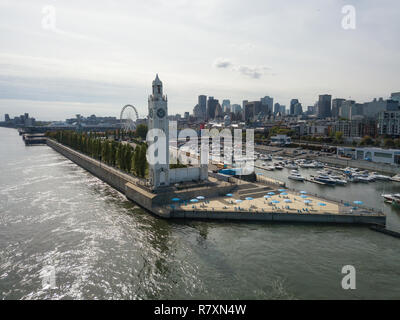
(280,217)
(124,183)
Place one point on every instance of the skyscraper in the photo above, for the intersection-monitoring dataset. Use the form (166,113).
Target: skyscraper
(324,106)
(236,108)
(292,104)
(211,106)
(336,105)
(298,109)
(218,111)
(277,108)
(267,104)
(226,106)
(202,102)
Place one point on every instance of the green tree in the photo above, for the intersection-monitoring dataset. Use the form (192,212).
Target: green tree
(367,141)
(339,136)
(388,143)
(141,131)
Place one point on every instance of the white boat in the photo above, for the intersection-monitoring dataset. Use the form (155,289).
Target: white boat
(381,177)
(325,179)
(291,166)
(269,168)
(296,176)
(278,167)
(360,179)
(392,198)
(396,178)
(388,197)
(340,182)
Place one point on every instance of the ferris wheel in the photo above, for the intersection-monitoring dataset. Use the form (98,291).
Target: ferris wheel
(128,118)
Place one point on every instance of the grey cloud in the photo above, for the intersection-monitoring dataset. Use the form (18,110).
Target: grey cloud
(222,63)
(254,72)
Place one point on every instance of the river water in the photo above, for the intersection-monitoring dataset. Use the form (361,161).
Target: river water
(54,214)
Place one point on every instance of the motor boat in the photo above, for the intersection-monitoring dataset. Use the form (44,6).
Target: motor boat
(278,167)
(325,179)
(396,178)
(394,199)
(291,166)
(388,197)
(358,178)
(340,182)
(295,175)
(380,177)
(265,157)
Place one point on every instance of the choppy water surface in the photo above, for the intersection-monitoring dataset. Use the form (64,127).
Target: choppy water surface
(101,246)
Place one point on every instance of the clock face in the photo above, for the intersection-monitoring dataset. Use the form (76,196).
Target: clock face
(151,113)
(160,113)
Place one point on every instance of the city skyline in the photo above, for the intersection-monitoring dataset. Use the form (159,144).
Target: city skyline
(78,65)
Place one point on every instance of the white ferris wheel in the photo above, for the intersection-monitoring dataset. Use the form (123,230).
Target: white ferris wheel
(128,118)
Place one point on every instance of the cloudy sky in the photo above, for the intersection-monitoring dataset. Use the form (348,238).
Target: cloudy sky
(62,57)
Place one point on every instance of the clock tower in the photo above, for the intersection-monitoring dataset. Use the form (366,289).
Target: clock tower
(158,119)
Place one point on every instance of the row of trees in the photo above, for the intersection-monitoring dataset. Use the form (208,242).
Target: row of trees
(117,154)
(337,138)
(385,142)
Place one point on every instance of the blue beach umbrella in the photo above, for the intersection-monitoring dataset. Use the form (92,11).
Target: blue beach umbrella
(271,193)
(281,190)
(249,198)
(194,200)
(288,201)
(267,196)
(259,174)
(175,199)
(284,193)
(200,197)
(303,196)
(358,202)
(275,201)
(229,195)
(303,192)
(238,201)
(322,204)
(307,201)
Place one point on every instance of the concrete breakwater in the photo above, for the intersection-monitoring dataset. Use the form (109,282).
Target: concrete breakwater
(280,217)
(120,181)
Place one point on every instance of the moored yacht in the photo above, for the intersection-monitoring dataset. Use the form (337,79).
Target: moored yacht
(325,179)
(295,175)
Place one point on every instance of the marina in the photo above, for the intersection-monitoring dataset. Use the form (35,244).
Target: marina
(351,189)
